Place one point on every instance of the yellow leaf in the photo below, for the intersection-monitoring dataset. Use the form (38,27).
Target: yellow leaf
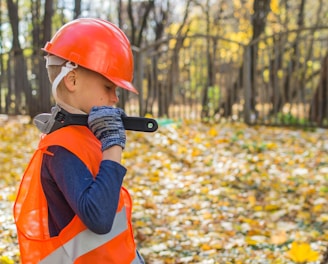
(12,197)
(195,153)
(274,5)
(213,132)
(258,208)
(304,215)
(271,145)
(6,260)
(198,139)
(148,115)
(222,140)
(140,223)
(217,245)
(302,252)
(182,149)
(204,190)
(205,247)
(318,208)
(250,241)
(323,218)
(251,200)
(207,216)
(271,207)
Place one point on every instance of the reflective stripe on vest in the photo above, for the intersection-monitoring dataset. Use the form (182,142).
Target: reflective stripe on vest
(87,241)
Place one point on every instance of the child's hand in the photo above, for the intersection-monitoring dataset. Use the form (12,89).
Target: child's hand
(106,123)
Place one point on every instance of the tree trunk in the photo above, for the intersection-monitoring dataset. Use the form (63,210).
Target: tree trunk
(283,96)
(318,108)
(1,63)
(261,10)
(77,9)
(210,65)
(41,33)
(22,89)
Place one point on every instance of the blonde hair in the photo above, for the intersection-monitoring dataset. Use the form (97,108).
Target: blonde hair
(53,71)
(57,68)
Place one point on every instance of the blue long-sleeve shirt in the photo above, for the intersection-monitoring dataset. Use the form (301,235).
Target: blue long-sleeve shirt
(71,189)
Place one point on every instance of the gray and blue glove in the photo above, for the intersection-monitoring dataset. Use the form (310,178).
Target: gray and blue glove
(106,124)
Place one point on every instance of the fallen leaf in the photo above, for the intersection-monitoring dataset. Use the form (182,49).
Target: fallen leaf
(302,252)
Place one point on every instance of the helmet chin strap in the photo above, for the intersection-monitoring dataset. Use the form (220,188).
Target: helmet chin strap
(66,67)
(69,66)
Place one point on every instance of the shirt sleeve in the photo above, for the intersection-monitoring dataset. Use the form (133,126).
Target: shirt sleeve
(94,200)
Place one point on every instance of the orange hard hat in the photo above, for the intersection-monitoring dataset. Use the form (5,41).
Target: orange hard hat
(97,45)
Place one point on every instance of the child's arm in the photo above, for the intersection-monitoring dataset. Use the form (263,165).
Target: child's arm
(65,177)
(113,153)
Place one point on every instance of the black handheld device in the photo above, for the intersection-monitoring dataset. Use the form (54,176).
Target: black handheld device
(59,118)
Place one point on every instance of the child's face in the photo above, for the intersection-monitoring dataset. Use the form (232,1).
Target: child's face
(92,89)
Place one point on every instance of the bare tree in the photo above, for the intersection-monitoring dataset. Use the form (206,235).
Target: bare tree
(139,19)
(261,10)
(281,97)
(77,8)
(17,86)
(210,55)
(41,33)
(165,95)
(319,104)
(138,16)
(119,13)
(44,85)
(161,18)
(1,59)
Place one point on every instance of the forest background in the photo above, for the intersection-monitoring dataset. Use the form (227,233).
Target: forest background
(220,192)
(261,61)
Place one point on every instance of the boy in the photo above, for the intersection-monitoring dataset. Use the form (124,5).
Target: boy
(71,206)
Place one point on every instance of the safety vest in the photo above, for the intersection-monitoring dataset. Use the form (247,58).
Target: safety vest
(75,243)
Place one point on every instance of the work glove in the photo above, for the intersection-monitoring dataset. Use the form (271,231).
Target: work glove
(106,124)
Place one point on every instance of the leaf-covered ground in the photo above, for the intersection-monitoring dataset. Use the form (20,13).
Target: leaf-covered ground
(224,193)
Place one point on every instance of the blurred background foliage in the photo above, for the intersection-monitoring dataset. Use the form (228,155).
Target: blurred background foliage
(259,61)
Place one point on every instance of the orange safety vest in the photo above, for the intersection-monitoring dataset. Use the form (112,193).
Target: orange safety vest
(75,243)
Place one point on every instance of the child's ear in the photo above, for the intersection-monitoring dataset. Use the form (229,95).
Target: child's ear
(70,81)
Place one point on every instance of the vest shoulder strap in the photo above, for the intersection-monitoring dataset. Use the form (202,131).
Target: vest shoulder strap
(80,141)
